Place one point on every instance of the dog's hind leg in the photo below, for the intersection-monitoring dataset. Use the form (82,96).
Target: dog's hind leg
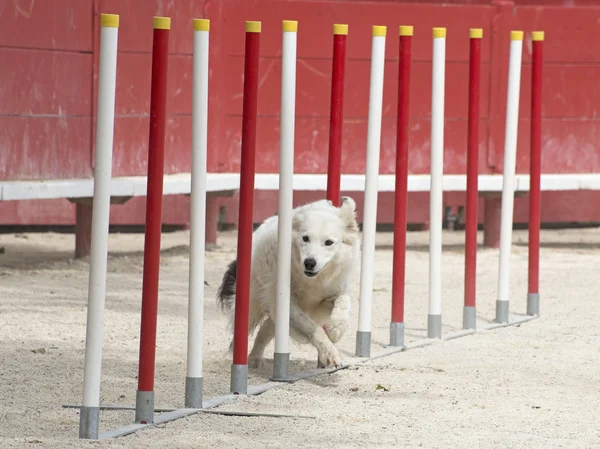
(263,338)
(301,324)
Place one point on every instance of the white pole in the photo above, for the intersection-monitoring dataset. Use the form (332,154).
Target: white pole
(434,319)
(107,78)
(508,186)
(193,380)
(363,335)
(281,357)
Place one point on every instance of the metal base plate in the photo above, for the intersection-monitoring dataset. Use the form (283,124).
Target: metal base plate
(434,326)
(397,334)
(281,367)
(501,311)
(144,407)
(239,379)
(469,317)
(533,304)
(363,344)
(89,421)
(193,392)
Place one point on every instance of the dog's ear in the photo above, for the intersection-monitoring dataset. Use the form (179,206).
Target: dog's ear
(296,221)
(348,214)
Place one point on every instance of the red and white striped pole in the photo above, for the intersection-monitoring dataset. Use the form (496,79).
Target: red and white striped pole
(144,405)
(239,368)
(401,191)
(535,173)
(336,119)
(469,310)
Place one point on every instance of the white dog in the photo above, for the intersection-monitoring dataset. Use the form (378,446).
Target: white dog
(325,256)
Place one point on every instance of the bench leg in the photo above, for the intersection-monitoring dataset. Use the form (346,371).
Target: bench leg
(212,215)
(83,229)
(491,222)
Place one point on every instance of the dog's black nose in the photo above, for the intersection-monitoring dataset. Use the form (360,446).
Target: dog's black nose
(310,264)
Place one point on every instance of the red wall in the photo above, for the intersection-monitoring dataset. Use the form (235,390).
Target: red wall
(48,64)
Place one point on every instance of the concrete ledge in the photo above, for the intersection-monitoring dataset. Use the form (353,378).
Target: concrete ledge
(180,183)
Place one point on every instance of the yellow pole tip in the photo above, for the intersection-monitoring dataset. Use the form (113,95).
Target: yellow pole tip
(439,32)
(379,30)
(516,35)
(253,27)
(476,33)
(537,36)
(109,20)
(340,28)
(161,23)
(201,25)
(289,26)
(405,30)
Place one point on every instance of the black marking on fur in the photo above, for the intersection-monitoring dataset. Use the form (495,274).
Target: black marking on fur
(226,291)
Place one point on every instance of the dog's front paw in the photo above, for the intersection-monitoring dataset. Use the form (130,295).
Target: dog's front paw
(330,357)
(335,329)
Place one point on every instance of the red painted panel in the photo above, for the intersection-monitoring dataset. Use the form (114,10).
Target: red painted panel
(130,154)
(571,33)
(45,82)
(47,24)
(312,137)
(44,147)
(568,91)
(314,88)
(133,84)
(568,146)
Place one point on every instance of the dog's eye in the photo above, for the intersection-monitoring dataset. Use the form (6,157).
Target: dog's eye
(328,242)
(305,238)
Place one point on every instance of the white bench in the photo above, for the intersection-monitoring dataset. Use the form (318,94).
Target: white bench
(80,191)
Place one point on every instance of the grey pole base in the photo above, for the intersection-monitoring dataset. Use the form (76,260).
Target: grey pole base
(193,392)
(89,422)
(281,367)
(363,344)
(533,304)
(397,334)
(501,311)
(434,326)
(144,407)
(469,317)
(239,379)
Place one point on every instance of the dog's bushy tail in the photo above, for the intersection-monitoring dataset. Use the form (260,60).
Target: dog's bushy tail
(226,291)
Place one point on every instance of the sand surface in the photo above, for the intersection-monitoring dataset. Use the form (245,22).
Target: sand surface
(536,385)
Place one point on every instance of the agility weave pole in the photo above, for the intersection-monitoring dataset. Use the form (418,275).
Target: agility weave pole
(535,171)
(363,334)
(239,367)
(193,380)
(281,356)
(89,418)
(508,187)
(144,409)
(336,116)
(434,317)
(470,295)
(401,193)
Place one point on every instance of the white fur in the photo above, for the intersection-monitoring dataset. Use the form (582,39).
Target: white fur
(320,306)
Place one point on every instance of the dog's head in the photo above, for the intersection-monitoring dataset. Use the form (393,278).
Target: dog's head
(319,232)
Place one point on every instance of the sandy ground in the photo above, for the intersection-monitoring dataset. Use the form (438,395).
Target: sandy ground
(532,386)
